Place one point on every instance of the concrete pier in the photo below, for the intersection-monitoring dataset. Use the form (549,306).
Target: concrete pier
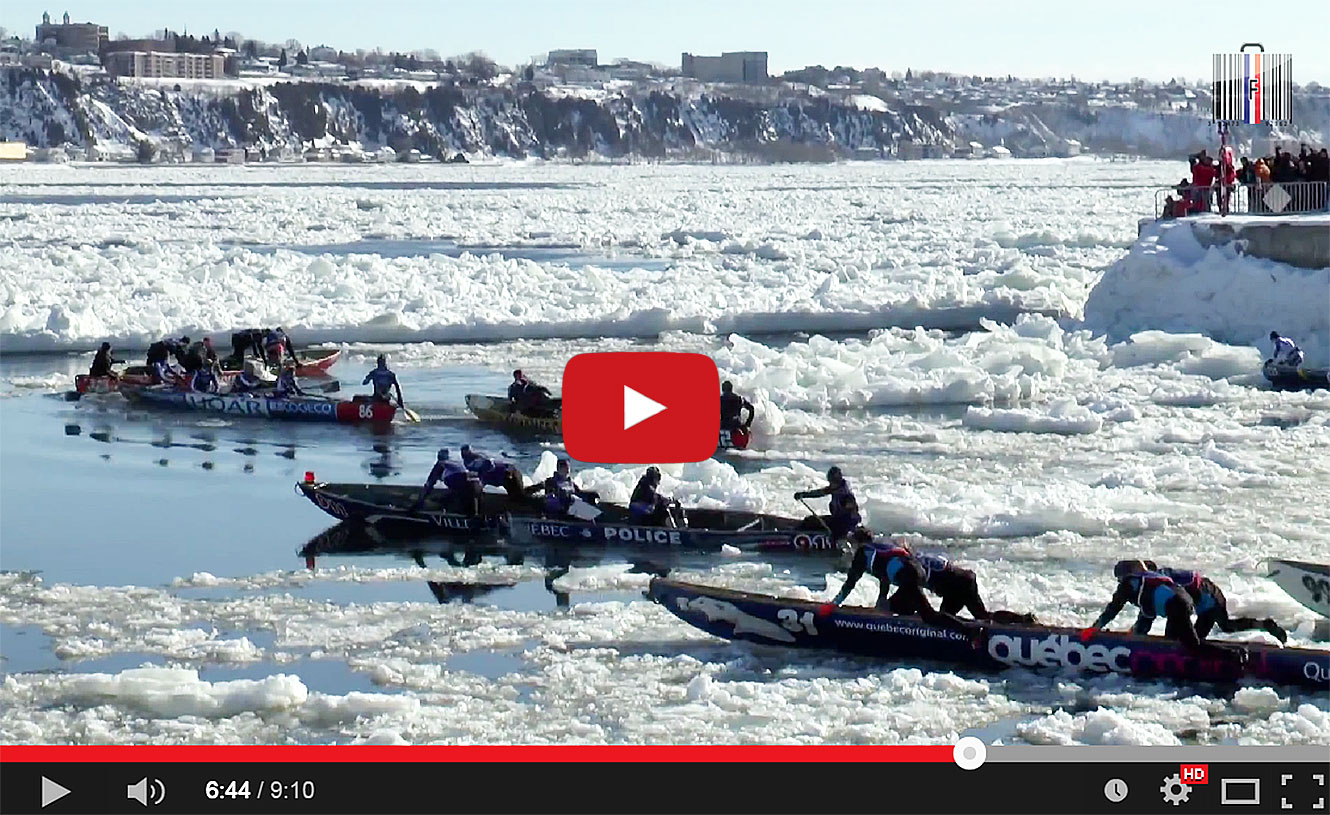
(1301,240)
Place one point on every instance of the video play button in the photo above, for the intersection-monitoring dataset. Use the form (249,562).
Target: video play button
(51,792)
(638,408)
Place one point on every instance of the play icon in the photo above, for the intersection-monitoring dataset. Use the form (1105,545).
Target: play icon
(51,792)
(638,408)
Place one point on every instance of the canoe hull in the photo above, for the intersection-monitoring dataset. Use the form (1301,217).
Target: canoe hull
(498,410)
(390,505)
(1308,583)
(537,530)
(796,623)
(295,409)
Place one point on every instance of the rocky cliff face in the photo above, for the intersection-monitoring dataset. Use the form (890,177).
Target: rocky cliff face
(48,109)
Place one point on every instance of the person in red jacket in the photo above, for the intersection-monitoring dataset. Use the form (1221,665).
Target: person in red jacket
(1202,178)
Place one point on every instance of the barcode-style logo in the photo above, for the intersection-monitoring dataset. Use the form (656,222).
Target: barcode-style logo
(1253,87)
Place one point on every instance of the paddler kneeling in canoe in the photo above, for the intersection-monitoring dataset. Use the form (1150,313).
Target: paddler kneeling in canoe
(102,362)
(893,564)
(561,491)
(648,507)
(462,488)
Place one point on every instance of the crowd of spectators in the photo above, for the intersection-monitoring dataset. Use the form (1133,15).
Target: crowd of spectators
(1216,182)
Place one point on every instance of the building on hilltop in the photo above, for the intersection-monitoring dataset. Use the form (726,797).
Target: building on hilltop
(158,64)
(731,66)
(78,37)
(573,56)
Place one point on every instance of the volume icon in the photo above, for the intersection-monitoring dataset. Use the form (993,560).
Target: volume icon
(146,791)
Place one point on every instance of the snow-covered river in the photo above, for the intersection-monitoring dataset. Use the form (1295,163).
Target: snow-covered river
(1005,431)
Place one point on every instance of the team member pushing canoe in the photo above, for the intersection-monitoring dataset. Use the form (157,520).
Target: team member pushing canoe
(1156,596)
(203,380)
(1210,603)
(385,381)
(493,473)
(893,564)
(462,489)
(844,509)
(102,362)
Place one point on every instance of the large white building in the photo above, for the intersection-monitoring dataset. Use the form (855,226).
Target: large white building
(573,56)
(168,65)
(731,66)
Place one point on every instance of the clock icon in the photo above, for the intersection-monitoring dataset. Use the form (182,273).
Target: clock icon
(1115,790)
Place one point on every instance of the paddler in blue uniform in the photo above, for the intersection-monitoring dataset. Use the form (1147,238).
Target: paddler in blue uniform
(893,564)
(648,507)
(385,381)
(1156,596)
(493,473)
(844,509)
(462,487)
(203,380)
(286,383)
(560,490)
(1211,605)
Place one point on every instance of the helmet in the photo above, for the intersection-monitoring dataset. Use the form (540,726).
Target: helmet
(834,475)
(1123,568)
(563,465)
(443,454)
(726,386)
(106,346)
(1151,566)
(1274,335)
(383,359)
(653,473)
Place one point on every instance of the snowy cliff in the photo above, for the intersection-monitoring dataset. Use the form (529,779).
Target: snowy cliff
(48,109)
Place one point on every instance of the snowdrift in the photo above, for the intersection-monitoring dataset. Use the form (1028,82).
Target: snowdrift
(1170,282)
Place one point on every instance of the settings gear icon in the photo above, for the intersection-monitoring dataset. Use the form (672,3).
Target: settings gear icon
(1175,792)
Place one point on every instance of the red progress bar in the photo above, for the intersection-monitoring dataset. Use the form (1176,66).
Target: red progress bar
(469,753)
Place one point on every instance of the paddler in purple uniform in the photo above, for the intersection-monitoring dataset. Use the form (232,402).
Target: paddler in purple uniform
(843,514)
(493,473)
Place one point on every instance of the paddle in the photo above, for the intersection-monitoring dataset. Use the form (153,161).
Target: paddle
(411,415)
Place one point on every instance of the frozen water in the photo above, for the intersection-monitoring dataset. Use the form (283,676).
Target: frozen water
(917,325)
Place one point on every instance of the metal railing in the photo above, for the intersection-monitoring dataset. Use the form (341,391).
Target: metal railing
(1270,198)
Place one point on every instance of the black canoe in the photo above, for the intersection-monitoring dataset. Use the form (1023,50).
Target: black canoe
(706,530)
(390,504)
(522,521)
(1296,379)
(760,618)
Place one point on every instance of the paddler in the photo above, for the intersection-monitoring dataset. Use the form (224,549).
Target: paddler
(530,397)
(844,509)
(102,362)
(204,380)
(560,490)
(248,379)
(1210,603)
(274,343)
(286,383)
(1286,354)
(732,406)
(493,473)
(463,490)
(385,381)
(1156,596)
(893,564)
(648,507)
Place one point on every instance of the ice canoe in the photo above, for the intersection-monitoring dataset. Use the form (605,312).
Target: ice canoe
(761,618)
(1308,583)
(307,409)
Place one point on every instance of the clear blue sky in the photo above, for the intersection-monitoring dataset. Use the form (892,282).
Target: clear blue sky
(1112,40)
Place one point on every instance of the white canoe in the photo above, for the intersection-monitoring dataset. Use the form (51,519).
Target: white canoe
(1308,583)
